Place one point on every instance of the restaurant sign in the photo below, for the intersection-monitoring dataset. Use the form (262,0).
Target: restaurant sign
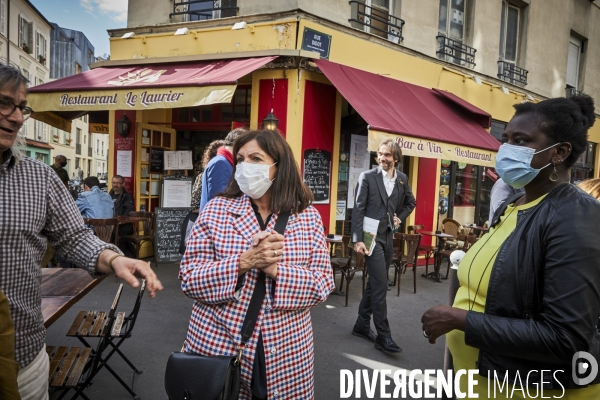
(98,128)
(416,147)
(131,99)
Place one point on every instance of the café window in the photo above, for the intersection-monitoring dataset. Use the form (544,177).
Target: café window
(464,192)
(584,166)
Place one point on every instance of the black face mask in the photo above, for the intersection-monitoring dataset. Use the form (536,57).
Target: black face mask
(63,164)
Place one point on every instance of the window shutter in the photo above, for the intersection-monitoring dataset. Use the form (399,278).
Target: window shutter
(30,34)
(2,18)
(37,44)
(20,31)
(573,65)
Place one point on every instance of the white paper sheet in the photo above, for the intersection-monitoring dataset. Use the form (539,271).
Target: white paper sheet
(171,160)
(177,193)
(124,160)
(185,159)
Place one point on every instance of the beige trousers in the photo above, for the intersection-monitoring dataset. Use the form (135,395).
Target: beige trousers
(33,379)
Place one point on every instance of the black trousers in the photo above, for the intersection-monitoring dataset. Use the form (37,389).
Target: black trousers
(374,301)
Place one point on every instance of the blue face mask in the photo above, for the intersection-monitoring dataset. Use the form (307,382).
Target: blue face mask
(513,164)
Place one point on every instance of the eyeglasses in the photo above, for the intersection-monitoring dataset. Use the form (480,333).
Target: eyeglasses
(7,107)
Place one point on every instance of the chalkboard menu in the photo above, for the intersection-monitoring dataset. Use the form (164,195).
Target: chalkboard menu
(317,172)
(157,160)
(168,233)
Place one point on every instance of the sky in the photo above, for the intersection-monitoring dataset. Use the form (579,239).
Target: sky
(92,17)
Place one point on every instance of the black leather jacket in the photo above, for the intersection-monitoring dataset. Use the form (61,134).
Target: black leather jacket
(543,300)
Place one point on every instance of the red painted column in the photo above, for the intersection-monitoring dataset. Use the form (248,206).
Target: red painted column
(318,129)
(424,211)
(275,100)
(126,144)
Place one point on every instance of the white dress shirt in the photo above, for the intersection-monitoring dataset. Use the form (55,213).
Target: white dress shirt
(388,182)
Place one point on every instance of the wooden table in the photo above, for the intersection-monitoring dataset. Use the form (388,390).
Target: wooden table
(475,228)
(332,242)
(440,246)
(61,288)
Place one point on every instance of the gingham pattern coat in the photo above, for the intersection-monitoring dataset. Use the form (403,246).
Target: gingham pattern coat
(209,273)
(36,209)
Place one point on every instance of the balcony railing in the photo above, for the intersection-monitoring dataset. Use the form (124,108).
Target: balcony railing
(455,52)
(200,10)
(376,21)
(571,91)
(509,72)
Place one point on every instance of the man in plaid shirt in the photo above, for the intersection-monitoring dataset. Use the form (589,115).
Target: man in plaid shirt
(36,209)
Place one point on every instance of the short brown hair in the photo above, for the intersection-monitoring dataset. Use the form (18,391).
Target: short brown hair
(234,134)
(591,186)
(290,193)
(394,148)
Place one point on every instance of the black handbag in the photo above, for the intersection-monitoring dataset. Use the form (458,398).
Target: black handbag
(191,376)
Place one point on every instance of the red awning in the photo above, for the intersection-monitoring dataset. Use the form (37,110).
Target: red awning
(200,73)
(393,106)
(40,145)
(146,87)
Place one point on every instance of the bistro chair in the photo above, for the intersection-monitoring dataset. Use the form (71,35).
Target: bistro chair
(105,229)
(145,234)
(74,368)
(426,249)
(84,327)
(355,262)
(410,259)
(338,263)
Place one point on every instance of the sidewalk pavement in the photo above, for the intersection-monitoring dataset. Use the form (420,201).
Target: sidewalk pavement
(163,322)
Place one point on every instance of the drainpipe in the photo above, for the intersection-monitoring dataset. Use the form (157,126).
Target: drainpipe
(8,33)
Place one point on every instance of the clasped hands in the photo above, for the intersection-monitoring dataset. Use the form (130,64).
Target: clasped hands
(264,254)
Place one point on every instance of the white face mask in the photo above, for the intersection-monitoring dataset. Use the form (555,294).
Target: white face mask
(253,179)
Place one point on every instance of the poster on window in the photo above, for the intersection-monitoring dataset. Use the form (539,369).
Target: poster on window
(359,162)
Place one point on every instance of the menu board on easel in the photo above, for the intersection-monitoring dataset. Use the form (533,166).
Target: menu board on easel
(317,172)
(176,191)
(178,160)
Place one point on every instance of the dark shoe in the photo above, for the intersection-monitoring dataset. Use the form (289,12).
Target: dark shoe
(387,344)
(365,334)
(390,283)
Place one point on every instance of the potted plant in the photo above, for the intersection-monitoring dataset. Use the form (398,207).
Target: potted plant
(42,59)
(56,137)
(68,141)
(26,48)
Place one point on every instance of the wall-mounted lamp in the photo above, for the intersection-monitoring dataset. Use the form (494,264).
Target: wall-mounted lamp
(123,125)
(270,122)
(182,31)
(505,90)
(128,35)
(529,97)
(477,79)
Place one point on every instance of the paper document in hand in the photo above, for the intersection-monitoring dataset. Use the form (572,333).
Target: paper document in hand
(370,227)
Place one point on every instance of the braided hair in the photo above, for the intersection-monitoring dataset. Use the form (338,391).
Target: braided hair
(563,120)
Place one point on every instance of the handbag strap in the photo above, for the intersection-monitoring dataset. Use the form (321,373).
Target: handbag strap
(259,290)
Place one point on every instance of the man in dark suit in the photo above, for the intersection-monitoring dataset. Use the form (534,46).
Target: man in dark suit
(383,194)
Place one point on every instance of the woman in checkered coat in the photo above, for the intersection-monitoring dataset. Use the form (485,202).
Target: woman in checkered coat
(231,243)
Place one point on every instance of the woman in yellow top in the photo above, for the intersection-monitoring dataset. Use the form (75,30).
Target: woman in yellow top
(529,296)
